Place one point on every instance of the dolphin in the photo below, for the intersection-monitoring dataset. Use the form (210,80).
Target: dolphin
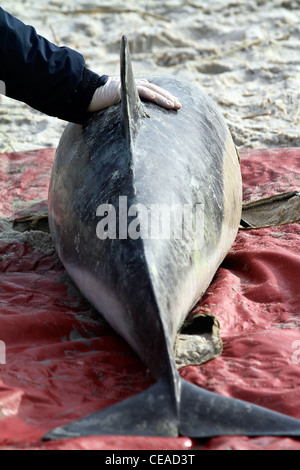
(109,176)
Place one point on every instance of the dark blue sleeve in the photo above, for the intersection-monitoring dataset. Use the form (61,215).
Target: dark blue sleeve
(51,79)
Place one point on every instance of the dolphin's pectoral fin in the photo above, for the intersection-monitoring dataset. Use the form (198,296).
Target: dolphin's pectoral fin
(149,413)
(207,414)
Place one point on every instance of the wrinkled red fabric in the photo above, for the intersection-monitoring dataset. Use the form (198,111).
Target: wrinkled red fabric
(62,361)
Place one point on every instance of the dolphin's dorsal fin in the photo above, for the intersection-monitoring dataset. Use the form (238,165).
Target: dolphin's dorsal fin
(132,107)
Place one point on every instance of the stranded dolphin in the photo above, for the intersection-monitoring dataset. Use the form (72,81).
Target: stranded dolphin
(108,176)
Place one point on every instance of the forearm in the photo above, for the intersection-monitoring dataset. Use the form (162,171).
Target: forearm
(51,79)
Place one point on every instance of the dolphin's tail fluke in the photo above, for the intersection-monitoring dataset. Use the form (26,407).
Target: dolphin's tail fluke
(208,414)
(203,414)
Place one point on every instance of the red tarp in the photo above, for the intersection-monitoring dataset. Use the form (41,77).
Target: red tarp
(62,362)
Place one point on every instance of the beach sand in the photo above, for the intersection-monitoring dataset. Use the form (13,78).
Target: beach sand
(244,54)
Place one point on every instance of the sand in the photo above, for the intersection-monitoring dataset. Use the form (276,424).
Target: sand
(244,54)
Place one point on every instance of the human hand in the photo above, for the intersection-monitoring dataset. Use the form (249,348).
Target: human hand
(110,94)
(157,95)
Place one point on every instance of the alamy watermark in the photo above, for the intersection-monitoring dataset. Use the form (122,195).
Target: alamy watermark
(296,353)
(2,352)
(154,222)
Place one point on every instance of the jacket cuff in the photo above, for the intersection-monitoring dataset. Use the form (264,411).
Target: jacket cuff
(79,101)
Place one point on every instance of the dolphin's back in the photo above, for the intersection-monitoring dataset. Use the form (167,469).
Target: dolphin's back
(174,161)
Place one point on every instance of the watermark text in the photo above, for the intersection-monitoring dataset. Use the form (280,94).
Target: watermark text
(155,222)
(2,352)
(296,353)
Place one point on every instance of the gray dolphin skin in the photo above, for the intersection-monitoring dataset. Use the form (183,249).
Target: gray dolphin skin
(109,176)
